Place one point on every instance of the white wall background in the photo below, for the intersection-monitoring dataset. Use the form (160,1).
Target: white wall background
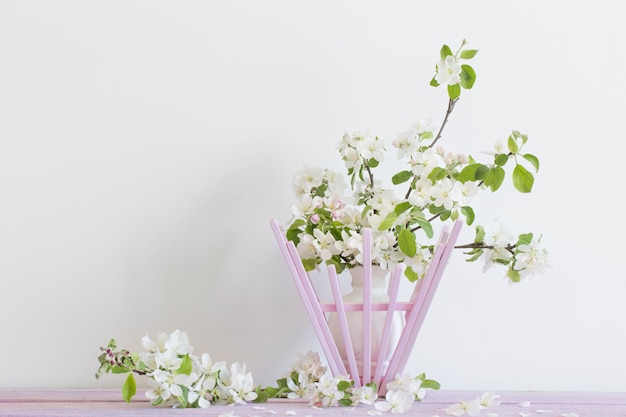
(145,145)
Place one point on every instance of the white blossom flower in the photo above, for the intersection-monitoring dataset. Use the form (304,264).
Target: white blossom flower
(396,402)
(306,248)
(179,343)
(364,395)
(153,346)
(310,364)
(499,239)
(442,194)
(157,391)
(168,360)
(307,179)
(448,71)
(408,383)
(371,148)
(489,399)
(236,384)
(407,143)
(324,243)
(303,389)
(530,259)
(471,408)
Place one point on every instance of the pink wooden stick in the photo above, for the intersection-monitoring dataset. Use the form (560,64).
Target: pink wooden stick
(404,344)
(394,286)
(334,361)
(367,305)
(308,304)
(400,306)
(343,325)
(430,293)
(417,314)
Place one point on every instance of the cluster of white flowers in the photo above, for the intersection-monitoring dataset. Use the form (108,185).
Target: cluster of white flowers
(338,219)
(436,184)
(177,377)
(307,379)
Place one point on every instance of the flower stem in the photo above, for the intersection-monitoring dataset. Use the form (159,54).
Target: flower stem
(481,245)
(451,104)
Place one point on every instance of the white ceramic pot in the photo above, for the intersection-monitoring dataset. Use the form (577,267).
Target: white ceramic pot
(355,320)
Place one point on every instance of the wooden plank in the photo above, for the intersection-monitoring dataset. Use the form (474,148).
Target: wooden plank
(97,403)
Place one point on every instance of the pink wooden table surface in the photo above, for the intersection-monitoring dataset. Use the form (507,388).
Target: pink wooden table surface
(58,403)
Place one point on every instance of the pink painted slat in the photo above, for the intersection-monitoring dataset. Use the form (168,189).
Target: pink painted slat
(295,273)
(343,325)
(394,286)
(367,305)
(400,306)
(430,293)
(404,344)
(334,360)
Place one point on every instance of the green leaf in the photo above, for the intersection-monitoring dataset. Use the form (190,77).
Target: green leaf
(309,264)
(184,397)
(468,54)
(431,383)
(292,235)
(372,163)
(119,370)
(524,239)
(402,207)
(437,174)
(480,234)
(494,178)
(407,243)
(468,212)
(472,172)
(468,77)
(410,274)
(158,401)
(512,145)
(454,91)
(129,389)
(434,82)
(477,253)
(344,385)
(426,226)
(501,159)
(185,366)
(282,383)
(388,221)
(522,179)
(401,177)
(262,395)
(533,160)
(513,275)
(445,51)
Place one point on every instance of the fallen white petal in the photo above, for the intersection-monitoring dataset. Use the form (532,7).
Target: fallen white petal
(524,404)
(374,413)
(545,411)
(492,414)
(290,413)
(569,415)
(525,414)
